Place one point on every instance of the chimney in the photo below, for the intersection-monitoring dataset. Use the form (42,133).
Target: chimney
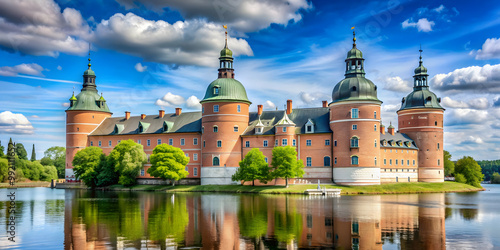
(325,104)
(178,111)
(382,129)
(127,115)
(390,130)
(259,109)
(143,116)
(161,114)
(288,107)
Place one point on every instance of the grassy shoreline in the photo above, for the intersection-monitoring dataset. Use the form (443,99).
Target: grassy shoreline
(26,184)
(392,188)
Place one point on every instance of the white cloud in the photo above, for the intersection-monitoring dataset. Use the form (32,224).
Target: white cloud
(28,69)
(422,24)
(11,123)
(490,49)
(269,105)
(65,104)
(38,27)
(190,42)
(450,103)
(472,140)
(476,78)
(397,84)
(170,100)
(476,103)
(193,102)
(140,68)
(439,9)
(242,16)
(390,107)
(59,67)
(313,98)
(466,116)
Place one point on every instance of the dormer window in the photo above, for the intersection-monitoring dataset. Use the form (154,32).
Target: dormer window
(259,130)
(216,89)
(309,126)
(141,128)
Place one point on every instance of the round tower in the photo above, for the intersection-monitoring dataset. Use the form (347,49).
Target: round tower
(86,111)
(354,117)
(224,118)
(421,118)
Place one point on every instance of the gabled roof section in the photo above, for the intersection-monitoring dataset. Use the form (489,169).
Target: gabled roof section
(144,126)
(187,122)
(285,121)
(320,117)
(398,140)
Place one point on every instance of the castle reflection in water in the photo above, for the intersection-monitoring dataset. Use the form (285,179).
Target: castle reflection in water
(102,220)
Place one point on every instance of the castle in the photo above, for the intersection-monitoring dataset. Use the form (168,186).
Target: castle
(342,141)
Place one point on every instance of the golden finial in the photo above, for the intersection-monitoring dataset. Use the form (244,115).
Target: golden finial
(225,27)
(89,56)
(353,37)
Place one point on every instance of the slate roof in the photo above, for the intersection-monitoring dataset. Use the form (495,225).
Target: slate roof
(190,122)
(320,117)
(187,122)
(394,139)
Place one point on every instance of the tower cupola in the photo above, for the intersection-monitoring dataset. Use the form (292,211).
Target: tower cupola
(226,61)
(421,96)
(89,78)
(354,87)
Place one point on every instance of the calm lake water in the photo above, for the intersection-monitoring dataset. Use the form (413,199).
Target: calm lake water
(81,219)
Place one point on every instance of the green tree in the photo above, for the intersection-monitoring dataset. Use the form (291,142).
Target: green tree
(253,167)
(168,162)
(2,150)
(127,158)
(4,169)
(469,168)
(460,178)
(55,156)
(21,151)
(495,178)
(449,166)
(86,162)
(48,173)
(107,174)
(285,163)
(33,154)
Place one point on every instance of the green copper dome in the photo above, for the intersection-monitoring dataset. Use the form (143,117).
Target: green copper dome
(226,89)
(89,72)
(355,88)
(354,53)
(420,70)
(89,100)
(226,52)
(421,98)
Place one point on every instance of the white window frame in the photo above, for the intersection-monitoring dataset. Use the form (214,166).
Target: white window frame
(183,141)
(284,142)
(216,108)
(195,141)
(309,142)
(265,143)
(354,113)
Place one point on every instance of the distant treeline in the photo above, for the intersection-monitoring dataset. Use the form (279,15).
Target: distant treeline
(489,167)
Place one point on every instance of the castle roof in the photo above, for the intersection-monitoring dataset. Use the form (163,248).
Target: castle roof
(398,140)
(190,122)
(320,117)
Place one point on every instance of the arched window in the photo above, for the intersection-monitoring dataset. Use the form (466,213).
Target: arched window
(375,142)
(375,127)
(326,161)
(354,160)
(215,161)
(375,161)
(354,142)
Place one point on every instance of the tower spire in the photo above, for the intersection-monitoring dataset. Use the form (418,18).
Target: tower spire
(420,50)
(89,57)
(225,27)
(353,37)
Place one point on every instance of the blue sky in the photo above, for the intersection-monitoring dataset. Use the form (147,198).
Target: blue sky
(153,54)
